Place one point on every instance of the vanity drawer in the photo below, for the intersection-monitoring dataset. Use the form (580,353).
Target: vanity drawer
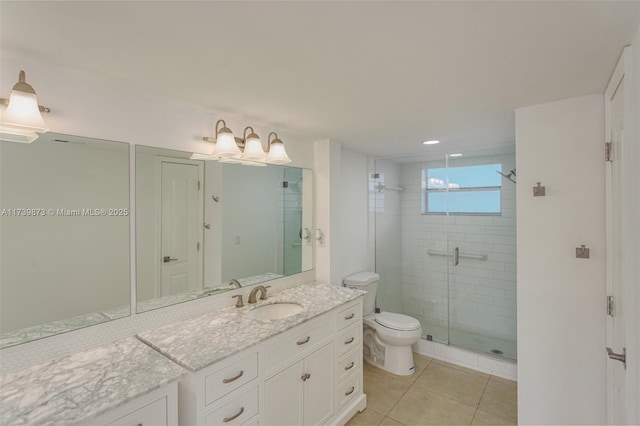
(350,362)
(297,342)
(349,316)
(229,378)
(347,391)
(153,414)
(237,411)
(349,339)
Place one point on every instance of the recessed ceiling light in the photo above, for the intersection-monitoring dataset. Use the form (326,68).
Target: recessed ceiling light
(455,155)
(430,142)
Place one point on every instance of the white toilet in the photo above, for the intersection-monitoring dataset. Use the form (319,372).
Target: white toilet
(387,336)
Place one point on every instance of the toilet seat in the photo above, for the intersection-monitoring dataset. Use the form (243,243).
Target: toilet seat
(397,321)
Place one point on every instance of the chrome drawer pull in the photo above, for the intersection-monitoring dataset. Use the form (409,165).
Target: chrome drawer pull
(232,418)
(302,342)
(349,341)
(350,391)
(234,378)
(350,366)
(349,317)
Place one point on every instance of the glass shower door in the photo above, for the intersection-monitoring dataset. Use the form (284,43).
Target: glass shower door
(481,240)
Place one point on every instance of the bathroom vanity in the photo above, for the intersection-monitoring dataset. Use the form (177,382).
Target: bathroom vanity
(302,369)
(294,358)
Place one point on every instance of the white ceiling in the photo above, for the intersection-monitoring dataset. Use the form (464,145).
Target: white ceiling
(380,77)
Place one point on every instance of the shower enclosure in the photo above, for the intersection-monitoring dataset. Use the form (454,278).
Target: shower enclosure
(445,236)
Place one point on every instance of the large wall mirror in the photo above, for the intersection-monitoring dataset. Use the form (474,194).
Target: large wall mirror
(64,226)
(201,224)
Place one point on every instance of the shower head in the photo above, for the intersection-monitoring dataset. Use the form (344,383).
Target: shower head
(511,175)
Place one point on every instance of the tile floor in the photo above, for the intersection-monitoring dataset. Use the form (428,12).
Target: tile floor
(438,393)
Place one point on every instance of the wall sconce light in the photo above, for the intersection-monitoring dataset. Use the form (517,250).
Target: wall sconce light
(225,143)
(253,147)
(228,148)
(22,118)
(277,153)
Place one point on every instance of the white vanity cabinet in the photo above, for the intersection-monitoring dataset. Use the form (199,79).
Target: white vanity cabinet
(310,374)
(157,408)
(223,393)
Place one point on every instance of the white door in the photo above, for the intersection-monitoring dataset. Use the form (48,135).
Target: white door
(181,224)
(615,254)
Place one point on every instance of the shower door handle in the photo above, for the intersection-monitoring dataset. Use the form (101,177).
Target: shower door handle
(456,256)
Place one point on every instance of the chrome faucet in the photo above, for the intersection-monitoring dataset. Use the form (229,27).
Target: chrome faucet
(254,293)
(235,283)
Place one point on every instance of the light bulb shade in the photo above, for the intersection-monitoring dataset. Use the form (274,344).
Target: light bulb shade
(22,119)
(226,146)
(253,150)
(277,153)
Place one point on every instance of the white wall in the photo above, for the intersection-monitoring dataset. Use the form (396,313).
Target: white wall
(327,180)
(354,212)
(561,317)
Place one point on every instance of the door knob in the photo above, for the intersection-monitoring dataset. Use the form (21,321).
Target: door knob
(168,259)
(619,357)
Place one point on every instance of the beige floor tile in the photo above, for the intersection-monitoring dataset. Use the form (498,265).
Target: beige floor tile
(484,418)
(452,383)
(504,381)
(501,400)
(388,421)
(383,389)
(421,362)
(458,367)
(417,407)
(366,418)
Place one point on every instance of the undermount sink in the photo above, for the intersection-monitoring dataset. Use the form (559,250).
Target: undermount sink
(275,311)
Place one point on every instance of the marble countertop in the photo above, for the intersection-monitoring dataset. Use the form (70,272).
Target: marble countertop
(198,342)
(83,385)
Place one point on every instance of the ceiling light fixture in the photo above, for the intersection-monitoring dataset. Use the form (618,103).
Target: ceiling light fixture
(277,153)
(22,118)
(434,142)
(455,155)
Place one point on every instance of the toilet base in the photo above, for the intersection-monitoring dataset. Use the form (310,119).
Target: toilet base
(397,360)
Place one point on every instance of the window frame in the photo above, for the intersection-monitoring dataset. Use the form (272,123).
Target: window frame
(426,191)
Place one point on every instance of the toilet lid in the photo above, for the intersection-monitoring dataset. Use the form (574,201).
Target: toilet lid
(397,321)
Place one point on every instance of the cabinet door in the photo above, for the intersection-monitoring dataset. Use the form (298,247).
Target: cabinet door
(283,397)
(319,388)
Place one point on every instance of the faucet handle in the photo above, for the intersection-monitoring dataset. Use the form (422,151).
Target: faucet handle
(239,303)
(263,295)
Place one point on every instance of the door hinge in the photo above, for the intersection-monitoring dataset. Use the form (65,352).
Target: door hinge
(198,245)
(607,151)
(610,305)
(198,185)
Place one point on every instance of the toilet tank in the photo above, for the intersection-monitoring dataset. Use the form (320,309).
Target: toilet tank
(367,281)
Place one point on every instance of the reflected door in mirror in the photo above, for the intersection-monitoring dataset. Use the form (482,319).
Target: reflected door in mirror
(181,226)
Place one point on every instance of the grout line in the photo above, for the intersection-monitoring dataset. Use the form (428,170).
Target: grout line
(480,400)
(409,387)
